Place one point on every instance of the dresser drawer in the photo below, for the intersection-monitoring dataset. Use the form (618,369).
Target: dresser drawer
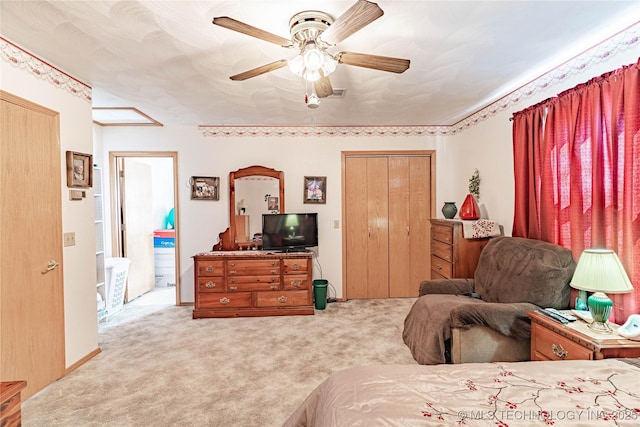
(211,268)
(282,299)
(442,267)
(442,250)
(554,346)
(253,285)
(253,267)
(296,282)
(267,280)
(442,233)
(294,266)
(211,284)
(224,300)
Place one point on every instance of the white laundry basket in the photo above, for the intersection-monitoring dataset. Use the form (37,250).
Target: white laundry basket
(116,272)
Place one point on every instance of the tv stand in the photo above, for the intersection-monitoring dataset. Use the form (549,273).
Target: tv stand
(252,283)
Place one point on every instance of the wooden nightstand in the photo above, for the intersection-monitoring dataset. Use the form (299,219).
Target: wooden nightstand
(552,340)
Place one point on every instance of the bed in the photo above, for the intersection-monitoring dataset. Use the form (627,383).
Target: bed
(562,393)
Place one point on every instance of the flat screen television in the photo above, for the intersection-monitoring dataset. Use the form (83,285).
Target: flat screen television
(289,232)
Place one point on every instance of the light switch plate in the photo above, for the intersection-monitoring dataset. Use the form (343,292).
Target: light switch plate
(69,239)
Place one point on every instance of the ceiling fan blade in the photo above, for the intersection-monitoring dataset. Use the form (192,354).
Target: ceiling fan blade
(323,87)
(361,14)
(241,27)
(382,63)
(260,70)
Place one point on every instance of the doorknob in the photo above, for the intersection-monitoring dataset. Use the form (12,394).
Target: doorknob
(52,264)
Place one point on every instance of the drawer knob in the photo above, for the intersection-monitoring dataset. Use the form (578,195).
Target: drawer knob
(559,351)
(210,269)
(224,300)
(233,288)
(233,264)
(210,285)
(282,299)
(295,267)
(232,280)
(273,263)
(296,283)
(233,272)
(274,286)
(438,266)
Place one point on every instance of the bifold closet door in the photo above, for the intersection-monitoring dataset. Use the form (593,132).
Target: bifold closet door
(387,208)
(409,213)
(367,199)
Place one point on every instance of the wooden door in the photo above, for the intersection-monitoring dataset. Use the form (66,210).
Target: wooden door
(409,213)
(31,285)
(387,205)
(138,227)
(366,219)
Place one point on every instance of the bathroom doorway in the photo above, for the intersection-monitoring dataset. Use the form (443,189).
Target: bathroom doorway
(144,226)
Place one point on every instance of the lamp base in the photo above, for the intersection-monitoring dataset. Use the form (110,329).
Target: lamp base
(602,328)
(600,307)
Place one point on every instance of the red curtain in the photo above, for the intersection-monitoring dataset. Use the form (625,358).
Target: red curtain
(577,172)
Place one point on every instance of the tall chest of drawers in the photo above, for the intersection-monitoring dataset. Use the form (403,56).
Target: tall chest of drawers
(453,256)
(249,283)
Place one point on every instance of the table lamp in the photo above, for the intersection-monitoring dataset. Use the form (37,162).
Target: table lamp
(600,271)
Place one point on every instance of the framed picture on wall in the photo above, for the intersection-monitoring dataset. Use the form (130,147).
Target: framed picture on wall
(79,169)
(205,188)
(315,189)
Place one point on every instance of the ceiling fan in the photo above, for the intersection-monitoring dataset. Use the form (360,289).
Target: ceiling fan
(312,34)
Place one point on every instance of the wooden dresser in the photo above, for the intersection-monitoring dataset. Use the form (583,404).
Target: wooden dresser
(453,256)
(252,283)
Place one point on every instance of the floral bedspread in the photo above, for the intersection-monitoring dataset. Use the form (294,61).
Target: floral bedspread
(561,393)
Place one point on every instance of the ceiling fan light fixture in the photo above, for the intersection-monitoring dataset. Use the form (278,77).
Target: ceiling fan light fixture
(296,65)
(313,57)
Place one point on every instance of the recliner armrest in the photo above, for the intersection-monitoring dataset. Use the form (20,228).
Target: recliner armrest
(509,319)
(446,286)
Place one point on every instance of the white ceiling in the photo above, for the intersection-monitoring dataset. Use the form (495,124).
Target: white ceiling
(168,60)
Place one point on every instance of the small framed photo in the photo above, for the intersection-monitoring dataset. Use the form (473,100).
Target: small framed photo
(205,188)
(315,189)
(79,170)
(273,204)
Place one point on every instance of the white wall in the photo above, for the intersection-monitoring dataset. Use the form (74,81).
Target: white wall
(81,325)
(202,221)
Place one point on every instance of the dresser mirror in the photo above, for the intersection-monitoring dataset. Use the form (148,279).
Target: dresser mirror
(253,190)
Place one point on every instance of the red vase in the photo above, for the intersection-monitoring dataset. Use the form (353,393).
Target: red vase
(469,209)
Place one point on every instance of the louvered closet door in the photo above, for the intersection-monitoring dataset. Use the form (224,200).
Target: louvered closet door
(387,207)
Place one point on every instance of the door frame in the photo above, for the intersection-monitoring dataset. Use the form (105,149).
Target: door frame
(381,153)
(115,203)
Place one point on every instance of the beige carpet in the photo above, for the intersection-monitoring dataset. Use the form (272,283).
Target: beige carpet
(159,367)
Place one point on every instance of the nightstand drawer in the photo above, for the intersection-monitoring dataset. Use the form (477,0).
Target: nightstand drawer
(442,267)
(553,346)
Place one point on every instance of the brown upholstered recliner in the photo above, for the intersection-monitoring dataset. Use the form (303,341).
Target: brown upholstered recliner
(483,319)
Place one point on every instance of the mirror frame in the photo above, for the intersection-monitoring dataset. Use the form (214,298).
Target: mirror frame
(228,237)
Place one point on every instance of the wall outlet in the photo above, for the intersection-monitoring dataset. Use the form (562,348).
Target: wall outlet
(69,239)
(336,223)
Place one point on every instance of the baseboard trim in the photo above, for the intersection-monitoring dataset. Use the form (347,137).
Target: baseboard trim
(82,361)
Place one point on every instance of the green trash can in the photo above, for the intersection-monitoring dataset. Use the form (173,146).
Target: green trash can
(320,293)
